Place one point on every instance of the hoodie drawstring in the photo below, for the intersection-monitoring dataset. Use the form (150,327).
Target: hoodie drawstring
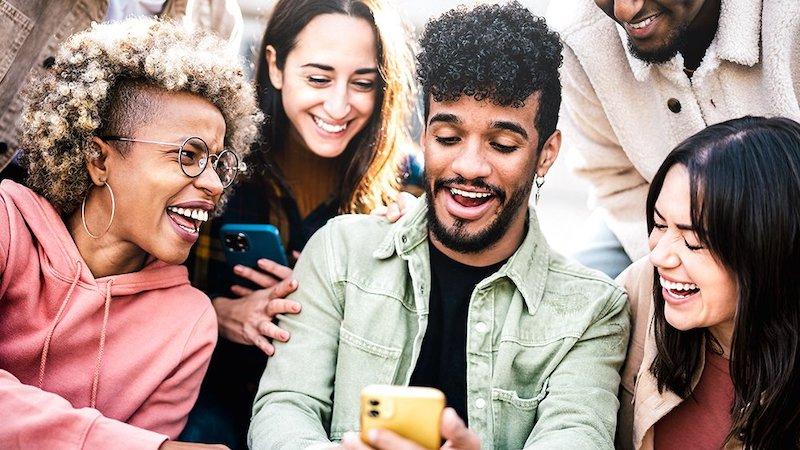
(96,379)
(49,336)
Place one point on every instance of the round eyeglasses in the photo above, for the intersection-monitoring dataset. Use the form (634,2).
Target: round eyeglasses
(194,156)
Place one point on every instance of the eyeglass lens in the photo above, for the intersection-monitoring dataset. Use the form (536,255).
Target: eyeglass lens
(194,156)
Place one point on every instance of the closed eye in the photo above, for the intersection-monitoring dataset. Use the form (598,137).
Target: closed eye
(504,148)
(448,140)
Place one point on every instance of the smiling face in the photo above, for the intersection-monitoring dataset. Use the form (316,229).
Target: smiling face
(480,162)
(328,83)
(698,291)
(153,196)
(656,28)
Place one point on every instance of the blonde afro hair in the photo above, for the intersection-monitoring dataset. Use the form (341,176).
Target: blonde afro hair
(68,105)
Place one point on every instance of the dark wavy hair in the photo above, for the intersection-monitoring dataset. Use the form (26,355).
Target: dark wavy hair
(501,53)
(745,207)
(371,161)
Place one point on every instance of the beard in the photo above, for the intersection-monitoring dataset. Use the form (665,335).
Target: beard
(455,237)
(675,41)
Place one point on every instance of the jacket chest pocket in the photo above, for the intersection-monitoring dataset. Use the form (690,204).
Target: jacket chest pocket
(514,417)
(14,29)
(360,362)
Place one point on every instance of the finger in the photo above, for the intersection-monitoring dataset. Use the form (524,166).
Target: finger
(393,213)
(379,211)
(404,200)
(262,343)
(295,254)
(456,432)
(255,276)
(278,271)
(270,330)
(241,291)
(352,441)
(282,306)
(282,289)
(387,440)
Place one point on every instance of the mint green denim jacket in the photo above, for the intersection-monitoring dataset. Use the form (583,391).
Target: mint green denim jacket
(546,339)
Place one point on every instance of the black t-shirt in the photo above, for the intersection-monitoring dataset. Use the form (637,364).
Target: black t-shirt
(442,360)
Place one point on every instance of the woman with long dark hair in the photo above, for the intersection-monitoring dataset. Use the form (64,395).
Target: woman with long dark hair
(715,357)
(335,80)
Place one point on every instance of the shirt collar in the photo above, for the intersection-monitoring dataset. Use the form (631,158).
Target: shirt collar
(737,39)
(527,268)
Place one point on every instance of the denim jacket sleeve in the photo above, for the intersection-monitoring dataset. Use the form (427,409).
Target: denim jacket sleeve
(294,400)
(580,408)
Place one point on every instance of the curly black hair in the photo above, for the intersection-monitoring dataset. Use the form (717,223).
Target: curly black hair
(501,53)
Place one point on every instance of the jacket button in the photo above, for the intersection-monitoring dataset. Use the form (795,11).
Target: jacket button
(3,148)
(674,105)
(48,62)
(481,327)
(403,238)
(480,403)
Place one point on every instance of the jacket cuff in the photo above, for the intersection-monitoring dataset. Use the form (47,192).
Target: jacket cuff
(106,433)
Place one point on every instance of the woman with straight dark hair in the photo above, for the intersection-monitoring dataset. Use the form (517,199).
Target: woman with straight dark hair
(335,80)
(715,356)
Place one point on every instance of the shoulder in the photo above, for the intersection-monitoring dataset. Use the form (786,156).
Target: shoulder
(566,276)
(569,18)
(357,232)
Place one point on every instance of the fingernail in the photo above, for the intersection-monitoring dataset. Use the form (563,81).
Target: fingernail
(285,336)
(237,268)
(293,283)
(372,435)
(296,308)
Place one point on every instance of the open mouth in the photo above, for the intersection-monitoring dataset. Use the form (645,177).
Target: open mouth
(643,23)
(470,199)
(329,127)
(679,290)
(188,219)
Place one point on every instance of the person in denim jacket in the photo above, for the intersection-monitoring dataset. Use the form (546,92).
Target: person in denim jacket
(463,293)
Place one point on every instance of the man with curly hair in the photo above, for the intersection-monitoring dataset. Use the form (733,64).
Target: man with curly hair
(33,30)
(463,293)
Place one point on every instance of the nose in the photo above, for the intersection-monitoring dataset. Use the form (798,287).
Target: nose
(662,255)
(209,182)
(337,105)
(470,162)
(626,10)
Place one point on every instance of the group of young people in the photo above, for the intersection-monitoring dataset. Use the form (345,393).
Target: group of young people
(107,264)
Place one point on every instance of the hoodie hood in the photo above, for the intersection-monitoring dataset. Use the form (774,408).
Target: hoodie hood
(60,254)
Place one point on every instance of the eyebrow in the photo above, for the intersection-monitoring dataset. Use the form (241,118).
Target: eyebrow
(510,126)
(680,226)
(362,71)
(444,117)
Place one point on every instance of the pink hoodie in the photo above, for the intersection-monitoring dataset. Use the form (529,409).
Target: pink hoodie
(91,363)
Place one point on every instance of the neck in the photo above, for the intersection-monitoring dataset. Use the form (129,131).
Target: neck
(723,333)
(312,178)
(106,255)
(499,251)
(700,34)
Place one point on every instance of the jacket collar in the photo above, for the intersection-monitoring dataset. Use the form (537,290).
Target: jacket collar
(527,268)
(737,40)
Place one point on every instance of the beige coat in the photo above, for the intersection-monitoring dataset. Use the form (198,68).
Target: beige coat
(616,122)
(641,405)
(31,32)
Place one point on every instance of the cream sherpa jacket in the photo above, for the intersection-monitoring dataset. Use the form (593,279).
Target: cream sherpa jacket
(615,119)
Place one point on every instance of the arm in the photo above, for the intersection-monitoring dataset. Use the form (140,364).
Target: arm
(580,408)
(42,419)
(222,17)
(167,409)
(294,401)
(596,155)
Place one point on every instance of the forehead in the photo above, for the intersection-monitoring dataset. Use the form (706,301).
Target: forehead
(181,115)
(336,40)
(481,114)
(674,200)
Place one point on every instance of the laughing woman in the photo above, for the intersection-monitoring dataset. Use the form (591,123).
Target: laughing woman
(131,139)
(714,360)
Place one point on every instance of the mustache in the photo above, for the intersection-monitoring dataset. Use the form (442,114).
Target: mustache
(479,183)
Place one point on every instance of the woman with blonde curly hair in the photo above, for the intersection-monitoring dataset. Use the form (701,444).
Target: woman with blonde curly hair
(130,141)
(336,81)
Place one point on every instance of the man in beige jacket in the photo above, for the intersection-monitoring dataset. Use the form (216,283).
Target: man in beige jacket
(32,30)
(642,75)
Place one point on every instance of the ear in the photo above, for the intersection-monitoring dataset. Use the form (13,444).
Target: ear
(97,165)
(275,74)
(549,153)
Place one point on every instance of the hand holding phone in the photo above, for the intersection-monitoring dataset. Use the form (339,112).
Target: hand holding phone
(414,413)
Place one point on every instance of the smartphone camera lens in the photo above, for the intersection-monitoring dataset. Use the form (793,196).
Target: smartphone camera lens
(374,413)
(374,402)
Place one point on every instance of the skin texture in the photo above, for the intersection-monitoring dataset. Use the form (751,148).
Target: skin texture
(674,252)
(145,182)
(343,92)
(685,26)
(454,431)
(464,142)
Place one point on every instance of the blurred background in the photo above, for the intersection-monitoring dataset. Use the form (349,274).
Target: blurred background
(562,210)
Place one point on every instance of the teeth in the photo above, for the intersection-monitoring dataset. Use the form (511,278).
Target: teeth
(468,194)
(677,286)
(190,230)
(642,24)
(196,214)
(329,127)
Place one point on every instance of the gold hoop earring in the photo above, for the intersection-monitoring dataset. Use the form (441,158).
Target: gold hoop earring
(113,210)
(539,181)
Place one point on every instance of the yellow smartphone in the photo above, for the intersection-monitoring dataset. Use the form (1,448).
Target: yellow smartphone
(412,412)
